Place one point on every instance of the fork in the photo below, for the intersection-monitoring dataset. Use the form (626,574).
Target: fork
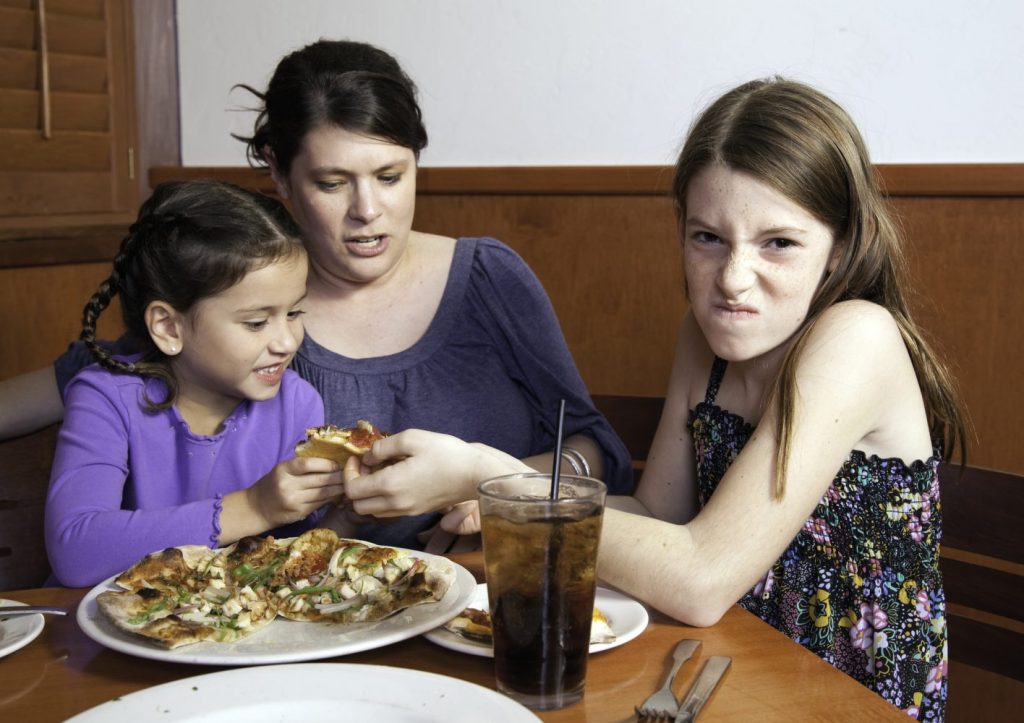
(662,704)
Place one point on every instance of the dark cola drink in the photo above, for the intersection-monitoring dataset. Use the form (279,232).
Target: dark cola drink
(541,578)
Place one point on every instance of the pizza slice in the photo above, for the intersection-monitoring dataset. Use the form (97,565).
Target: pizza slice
(474,624)
(339,443)
(172,618)
(168,569)
(359,582)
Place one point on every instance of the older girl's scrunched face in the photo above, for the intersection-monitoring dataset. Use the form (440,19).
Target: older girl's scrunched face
(752,259)
(354,197)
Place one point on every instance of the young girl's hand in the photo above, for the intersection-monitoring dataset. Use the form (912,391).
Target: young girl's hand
(293,489)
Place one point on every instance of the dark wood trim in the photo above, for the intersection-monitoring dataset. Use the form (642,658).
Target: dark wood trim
(60,246)
(257,178)
(974,495)
(986,646)
(941,179)
(993,591)
(68,245)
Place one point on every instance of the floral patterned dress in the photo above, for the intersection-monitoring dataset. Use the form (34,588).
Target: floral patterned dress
(859,585)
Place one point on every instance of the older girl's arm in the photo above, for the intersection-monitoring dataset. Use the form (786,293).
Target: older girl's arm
(853,370)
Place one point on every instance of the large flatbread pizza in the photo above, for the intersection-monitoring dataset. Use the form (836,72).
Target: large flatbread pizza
(189,594)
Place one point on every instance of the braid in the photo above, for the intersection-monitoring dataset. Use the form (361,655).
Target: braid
(97,303)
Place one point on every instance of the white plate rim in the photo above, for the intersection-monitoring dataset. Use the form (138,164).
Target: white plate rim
(200,696)
(263,649)
(614,604)
(20,631)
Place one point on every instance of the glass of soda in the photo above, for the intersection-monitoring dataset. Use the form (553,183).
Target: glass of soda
(540,558)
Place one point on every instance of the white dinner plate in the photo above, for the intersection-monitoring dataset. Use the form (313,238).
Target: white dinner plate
(17,632)
(628,619)
(310,692)
(286,641)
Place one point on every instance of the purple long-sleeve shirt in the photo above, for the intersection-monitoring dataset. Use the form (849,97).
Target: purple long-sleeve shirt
(126,482)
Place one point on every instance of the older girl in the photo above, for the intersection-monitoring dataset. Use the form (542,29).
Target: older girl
(795,466)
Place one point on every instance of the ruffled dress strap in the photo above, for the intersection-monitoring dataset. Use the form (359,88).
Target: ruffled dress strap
(715,380)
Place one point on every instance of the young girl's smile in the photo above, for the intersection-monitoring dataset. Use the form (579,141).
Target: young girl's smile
(237,344)
(753,260)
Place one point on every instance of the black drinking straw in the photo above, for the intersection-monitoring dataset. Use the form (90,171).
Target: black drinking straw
(556,470)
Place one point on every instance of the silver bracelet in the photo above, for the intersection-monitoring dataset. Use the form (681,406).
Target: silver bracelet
(576,469)
(576,460)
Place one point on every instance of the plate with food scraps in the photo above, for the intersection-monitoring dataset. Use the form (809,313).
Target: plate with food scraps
(287,641)
(17,632)
(313,691)
(626,617)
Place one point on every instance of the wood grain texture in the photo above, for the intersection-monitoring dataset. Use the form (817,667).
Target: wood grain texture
(938,179)
(980,696)
(24,475)
(41,312)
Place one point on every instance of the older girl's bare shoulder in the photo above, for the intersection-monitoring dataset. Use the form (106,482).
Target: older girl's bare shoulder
(855,323)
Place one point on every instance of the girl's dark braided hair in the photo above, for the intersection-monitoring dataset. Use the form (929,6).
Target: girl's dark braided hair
(191,240)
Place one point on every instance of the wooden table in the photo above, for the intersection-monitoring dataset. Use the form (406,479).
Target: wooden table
(63,672)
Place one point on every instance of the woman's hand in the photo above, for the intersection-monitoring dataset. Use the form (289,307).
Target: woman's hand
(416,471)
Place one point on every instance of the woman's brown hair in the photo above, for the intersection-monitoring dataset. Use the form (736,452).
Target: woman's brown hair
(802,144)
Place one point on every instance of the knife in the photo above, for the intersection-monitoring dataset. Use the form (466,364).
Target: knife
(698,695)
(10,611)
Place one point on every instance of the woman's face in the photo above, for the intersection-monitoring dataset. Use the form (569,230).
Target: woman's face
(753,260)
(354,197)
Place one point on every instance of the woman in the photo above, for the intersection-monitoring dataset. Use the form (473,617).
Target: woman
(407,329)
(805,417)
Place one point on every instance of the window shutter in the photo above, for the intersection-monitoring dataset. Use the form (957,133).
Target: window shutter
(66,113)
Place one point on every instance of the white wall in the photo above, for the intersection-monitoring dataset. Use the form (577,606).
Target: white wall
(610,82)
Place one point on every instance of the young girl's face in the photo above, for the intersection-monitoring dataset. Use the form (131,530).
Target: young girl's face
(753,260)
(237,344)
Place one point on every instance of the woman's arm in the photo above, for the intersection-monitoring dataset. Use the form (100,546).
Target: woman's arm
(29,402)
(854,372)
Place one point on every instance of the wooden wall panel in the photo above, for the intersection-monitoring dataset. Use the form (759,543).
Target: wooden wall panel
(965,256)
(41,312)
(610,265)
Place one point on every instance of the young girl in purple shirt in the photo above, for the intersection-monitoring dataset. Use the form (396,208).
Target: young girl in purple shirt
(190,441)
